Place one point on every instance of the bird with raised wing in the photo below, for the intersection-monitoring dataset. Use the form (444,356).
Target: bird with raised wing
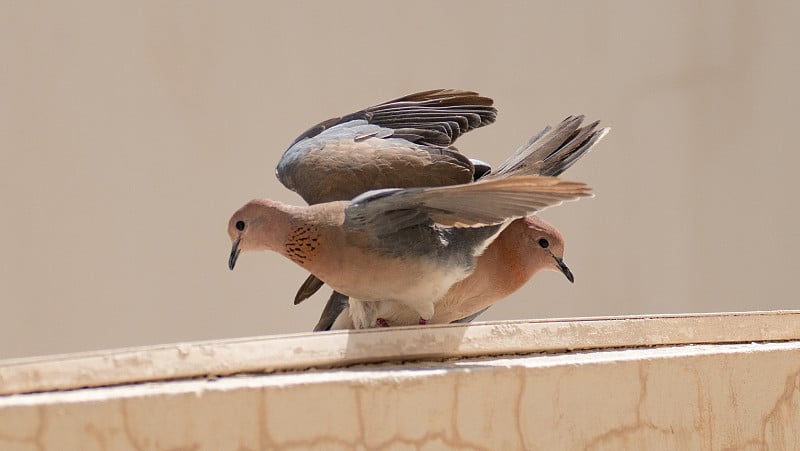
(406,246)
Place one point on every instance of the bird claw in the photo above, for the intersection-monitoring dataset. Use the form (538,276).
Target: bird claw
(382,322)
(422,322)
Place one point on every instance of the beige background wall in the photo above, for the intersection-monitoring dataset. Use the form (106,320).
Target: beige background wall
(129,133)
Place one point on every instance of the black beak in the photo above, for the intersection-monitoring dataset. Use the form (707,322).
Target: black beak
(561,265)
(235,254)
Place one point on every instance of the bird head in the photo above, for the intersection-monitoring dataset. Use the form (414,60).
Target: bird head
(247,228)
(546,246)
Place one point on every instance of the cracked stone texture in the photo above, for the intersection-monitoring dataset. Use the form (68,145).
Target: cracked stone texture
(720,397)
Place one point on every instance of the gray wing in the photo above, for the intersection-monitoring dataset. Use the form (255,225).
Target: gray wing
(384,212)
(437,117)
(553,150)
(402,143)
(310,286)
(333,308)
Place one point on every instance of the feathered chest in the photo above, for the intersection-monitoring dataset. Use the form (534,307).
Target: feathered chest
(302,244)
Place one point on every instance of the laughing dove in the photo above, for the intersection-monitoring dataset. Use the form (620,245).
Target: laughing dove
(400,144)
(528,245)
(405,246)
(403,143)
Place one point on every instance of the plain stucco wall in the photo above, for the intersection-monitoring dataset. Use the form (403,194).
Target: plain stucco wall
(130,132)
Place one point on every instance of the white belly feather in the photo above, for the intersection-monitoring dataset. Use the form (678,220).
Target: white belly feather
(420,293)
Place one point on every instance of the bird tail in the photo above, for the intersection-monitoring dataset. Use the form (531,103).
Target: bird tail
(553,150)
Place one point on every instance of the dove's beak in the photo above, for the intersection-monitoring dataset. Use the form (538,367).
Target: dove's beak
(561,265)
(235,253)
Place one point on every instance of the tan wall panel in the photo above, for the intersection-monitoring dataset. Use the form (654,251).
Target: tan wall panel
(130,132)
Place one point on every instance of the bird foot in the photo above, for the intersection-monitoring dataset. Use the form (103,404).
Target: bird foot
(422,322)
(382,322)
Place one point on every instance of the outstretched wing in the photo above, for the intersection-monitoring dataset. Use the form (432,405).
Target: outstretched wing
(384,212)
(436,118)
(402,143)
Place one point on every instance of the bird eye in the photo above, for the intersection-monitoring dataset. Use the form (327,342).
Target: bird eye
(543,243)
(240,225)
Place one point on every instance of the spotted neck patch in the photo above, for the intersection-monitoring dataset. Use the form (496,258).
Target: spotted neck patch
(302,244)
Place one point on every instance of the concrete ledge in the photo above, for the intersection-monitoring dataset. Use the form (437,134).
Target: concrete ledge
(710,381)
(343,348)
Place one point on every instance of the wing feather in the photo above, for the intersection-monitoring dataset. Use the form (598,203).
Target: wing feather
(382,212)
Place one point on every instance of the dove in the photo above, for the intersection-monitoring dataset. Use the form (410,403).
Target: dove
(403,143)
(528,245)
(405,246)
